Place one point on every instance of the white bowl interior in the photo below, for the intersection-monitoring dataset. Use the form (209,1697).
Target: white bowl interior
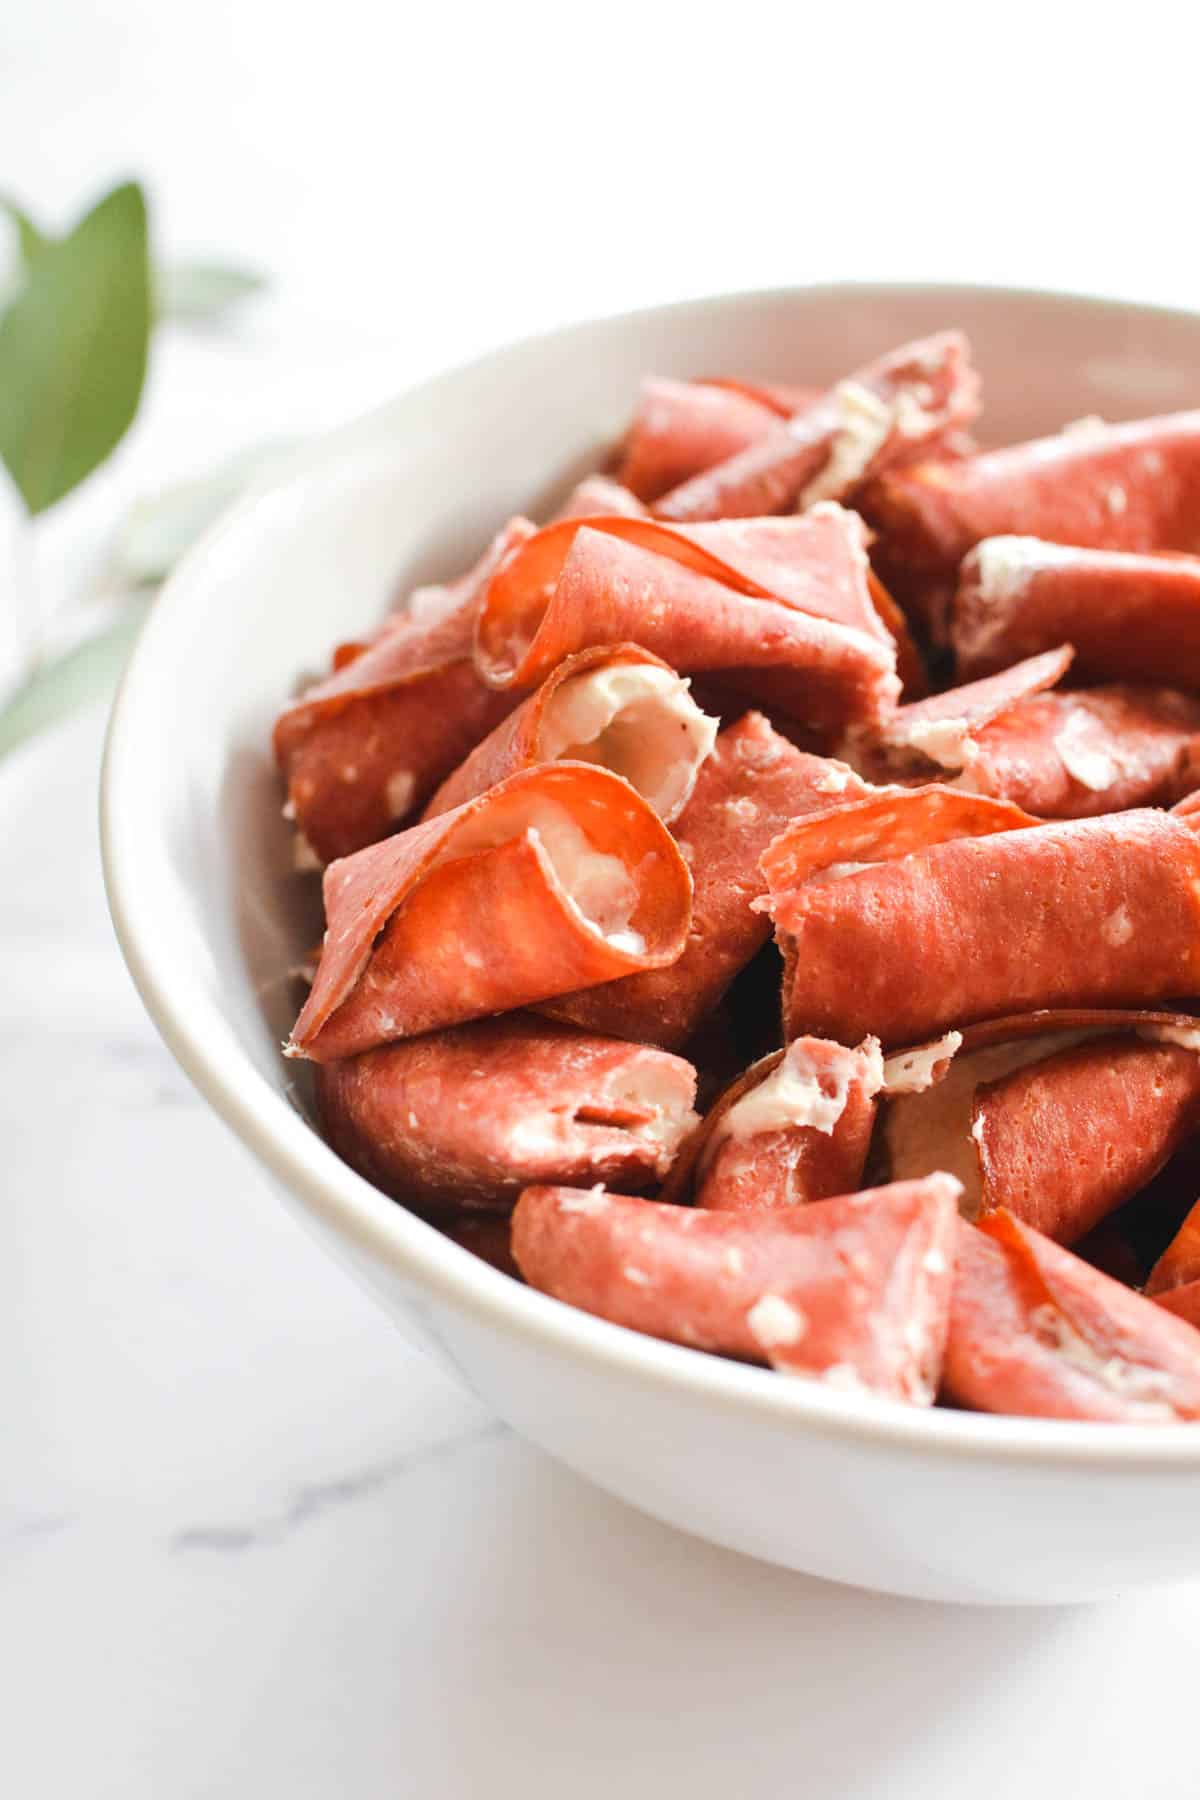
(199,860)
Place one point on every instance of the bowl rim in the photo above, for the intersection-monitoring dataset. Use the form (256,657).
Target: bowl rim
(283,1140)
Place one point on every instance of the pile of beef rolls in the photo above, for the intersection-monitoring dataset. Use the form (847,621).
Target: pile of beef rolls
(762,904)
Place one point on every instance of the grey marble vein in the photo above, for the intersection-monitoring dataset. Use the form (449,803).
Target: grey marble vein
(314,1499)
(27,1528)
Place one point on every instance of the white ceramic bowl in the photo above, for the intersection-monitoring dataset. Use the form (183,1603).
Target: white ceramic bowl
(942,1505)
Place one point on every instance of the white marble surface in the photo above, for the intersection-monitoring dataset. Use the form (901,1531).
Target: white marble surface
(250,1546)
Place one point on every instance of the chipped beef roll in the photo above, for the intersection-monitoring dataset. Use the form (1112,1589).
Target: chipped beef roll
(1058,1117)
(917,911)
(781,609)
(874,419)
(853,1291)
(619,707)
(468,1117)
(559,878)
(362,750)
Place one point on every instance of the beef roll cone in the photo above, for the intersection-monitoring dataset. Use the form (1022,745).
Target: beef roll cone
(560,877)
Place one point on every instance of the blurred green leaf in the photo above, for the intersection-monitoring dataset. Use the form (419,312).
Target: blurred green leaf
(31,241)
(194,292)
(61,687)
(187,293)
(73,347)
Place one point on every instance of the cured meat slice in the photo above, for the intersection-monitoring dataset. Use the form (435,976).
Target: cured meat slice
(1111,487)
(362,750)
(950,445)
(1035,1330)
(1179,1265)
(815,565)
(792,1132)
(597,496)
(468,1117)
(619,707)
(1059,755)
(1090,912)
(1060,1123)
(1078,754)
(1184,1301)
(783,398)
(797,1125)
(560,877)
(681,427)
(933,735)
(910,665)
(782,609)
(754,782)
(911,396)
(1131,617)
(851,1290)
(879,825)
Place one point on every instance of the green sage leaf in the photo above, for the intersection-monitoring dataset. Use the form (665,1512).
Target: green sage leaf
(73,346)
(31,240)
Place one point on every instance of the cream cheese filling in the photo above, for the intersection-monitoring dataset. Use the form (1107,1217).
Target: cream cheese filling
(638,720)
(864,424)
(597,886)
(800,1091)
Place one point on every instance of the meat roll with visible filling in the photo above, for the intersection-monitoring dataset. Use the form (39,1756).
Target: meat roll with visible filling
(1130,617)
(1035,1330)
(468,1117)
(872,420)
(1058,1118)
(1107,487)
(754,782)
(560,877)
(797,1127)
(1061,755)
(781,609)
(618,707)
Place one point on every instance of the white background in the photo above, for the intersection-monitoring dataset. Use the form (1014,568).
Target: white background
(248,1545)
